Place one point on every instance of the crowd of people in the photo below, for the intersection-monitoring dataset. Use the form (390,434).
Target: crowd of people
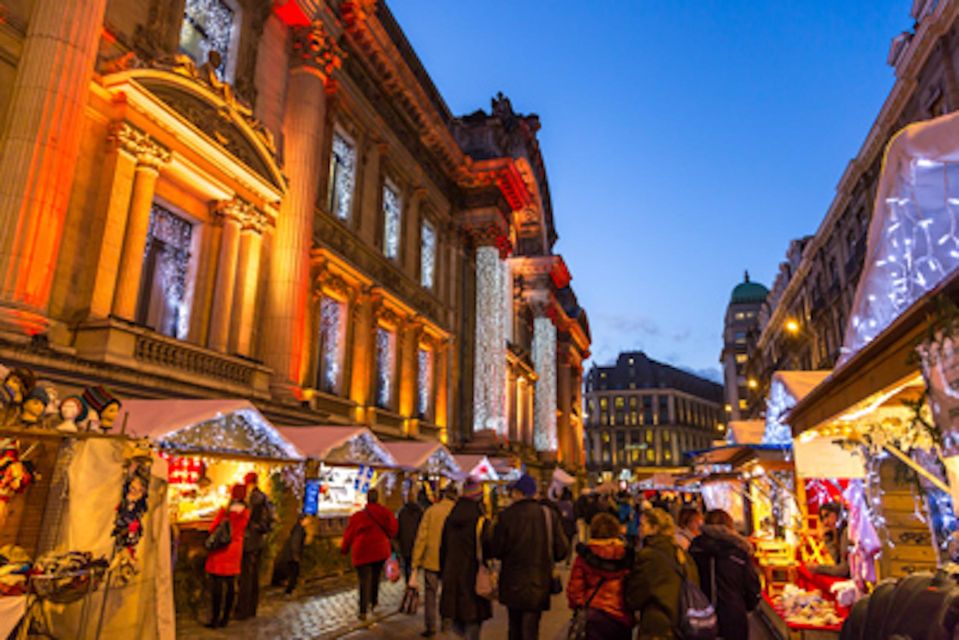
(629,560)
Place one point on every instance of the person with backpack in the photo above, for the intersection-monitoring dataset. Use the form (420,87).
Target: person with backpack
(225,546)
(659,580)
(597,581)
(262,516)
(367,540)
(724,560)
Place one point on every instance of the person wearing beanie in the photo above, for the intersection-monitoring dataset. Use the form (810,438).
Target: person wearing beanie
(529,539)
(367,540)
(261,523)
(426,554)
(223,564)
(464,545)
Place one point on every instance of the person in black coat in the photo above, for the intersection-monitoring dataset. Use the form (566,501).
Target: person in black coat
(286,567)
(409,517)
(521,541)
(459,563)
(724,559)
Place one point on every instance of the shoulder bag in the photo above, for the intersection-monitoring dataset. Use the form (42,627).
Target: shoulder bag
(577,625)
(697,615)
(220,537)
(487,579)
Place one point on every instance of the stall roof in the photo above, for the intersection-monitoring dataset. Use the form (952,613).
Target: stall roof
(225,426)
(486,468)
(800,383)
(339,445)
(746,431)
(738,454)
(415,455)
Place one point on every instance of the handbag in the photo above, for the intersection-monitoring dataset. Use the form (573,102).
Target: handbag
(411,601)
(487,579)
(220,537)
(392,569)
(577,625)
(555,582)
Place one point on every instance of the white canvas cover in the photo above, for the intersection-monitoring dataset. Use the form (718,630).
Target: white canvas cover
(745,432)
(820,457)
(206,426)
(430,457)
(913,241)
(786,389)
(477,466)
(339,445)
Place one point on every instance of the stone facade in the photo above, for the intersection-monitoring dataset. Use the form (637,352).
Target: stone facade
(740,330)
(644,416)
(271,200)
(804,319)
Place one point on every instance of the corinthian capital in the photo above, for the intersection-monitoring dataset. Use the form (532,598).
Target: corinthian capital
(241,211)
(315,49)
(147,151)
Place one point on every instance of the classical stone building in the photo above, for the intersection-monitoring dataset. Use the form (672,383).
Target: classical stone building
(644,416)
(740,330)
(271,200)
(806,313)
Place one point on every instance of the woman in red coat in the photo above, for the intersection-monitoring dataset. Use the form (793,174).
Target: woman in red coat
(367,540)
(223,564)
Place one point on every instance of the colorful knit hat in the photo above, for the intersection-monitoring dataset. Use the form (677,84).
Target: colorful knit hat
(98,398)
(83,407)
(472,489)
(39,393)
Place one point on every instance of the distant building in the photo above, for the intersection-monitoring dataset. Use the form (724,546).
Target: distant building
(644,415)
(740,330)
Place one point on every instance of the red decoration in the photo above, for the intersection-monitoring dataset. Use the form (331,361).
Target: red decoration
(184,470)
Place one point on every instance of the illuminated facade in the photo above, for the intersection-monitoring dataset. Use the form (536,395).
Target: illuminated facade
(644,416)
(740,331)
(270,200)
(803,322)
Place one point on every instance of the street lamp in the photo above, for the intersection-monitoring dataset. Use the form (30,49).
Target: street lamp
(752,383)
(792,326)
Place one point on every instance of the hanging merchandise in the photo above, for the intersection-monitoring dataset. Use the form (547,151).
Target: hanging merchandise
(128,526)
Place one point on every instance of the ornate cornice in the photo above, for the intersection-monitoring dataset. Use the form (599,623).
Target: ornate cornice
(312,47)
(244,213)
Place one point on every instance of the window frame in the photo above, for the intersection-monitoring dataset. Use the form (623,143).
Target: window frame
(340,131)
(388,184)
(232,47)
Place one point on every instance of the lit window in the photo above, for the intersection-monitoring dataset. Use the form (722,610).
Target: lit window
(665,436)
(424,382)
(164,300)
(632,402)
(392,211)
(649,435)
(634,418)
(385,363)
(619,402)
(739,315)
(427,254)
(603,418)
(650,455)
(742,404)
(342,177)
(603,403)
(741,358)
(208,25)
(332,344)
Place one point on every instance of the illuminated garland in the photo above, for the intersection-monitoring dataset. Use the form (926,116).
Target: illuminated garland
(244,432)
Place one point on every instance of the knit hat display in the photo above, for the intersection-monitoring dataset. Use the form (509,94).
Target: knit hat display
(82,404)
(39,393)
(26,377)
(238,492)
(525,485)
(98,398)
(472,489)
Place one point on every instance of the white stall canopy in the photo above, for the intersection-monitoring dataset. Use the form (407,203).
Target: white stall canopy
(822,457)
(427,457)
(211,427)
(786,389)
(339,445)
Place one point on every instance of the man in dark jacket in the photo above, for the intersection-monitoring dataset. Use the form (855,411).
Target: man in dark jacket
(409,517)
(522,539)
(286,567)
(261,522)
(724,560)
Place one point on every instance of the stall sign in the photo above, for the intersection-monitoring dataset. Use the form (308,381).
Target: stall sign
(366,479)
(184,470)
(311,497)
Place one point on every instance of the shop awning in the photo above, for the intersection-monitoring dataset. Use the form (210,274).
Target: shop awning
(428,457)
(821,457)
(786,389)
(476,465)
(217,427)
(339,445)
(737,455)
(746,431)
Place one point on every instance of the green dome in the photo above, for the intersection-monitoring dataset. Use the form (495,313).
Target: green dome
(747,292)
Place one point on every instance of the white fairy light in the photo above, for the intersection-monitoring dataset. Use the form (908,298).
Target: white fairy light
(489,395)
(544,360)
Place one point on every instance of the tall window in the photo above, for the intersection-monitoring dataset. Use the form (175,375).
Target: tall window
(392,212)
(332,345)
(163,302)
(424,382)
(208,25)
(342,177)
(385,366)
(427,254)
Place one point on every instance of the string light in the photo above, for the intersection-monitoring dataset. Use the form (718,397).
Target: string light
(489,406)
(544,360)
(778,404)
(243,432)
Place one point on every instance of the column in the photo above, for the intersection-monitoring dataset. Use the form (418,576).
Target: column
(228,215)
(247,277)
(115,196)
(489,380)
(441,388)
(363,319)
(314,56)
(39,154)
(151,156)
(566,442)
(544,359)
(407,345)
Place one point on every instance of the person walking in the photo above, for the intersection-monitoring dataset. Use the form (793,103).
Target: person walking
(690,525)
(286,567)
(426,555)
(529,540)
(724,560)
(409,517)
(223,564)
(598,579)
(583,511)
(464,543)
(654,584)
(261,523)
(565,506)
(367,540)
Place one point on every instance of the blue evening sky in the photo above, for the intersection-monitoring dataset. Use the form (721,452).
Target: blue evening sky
(685,140)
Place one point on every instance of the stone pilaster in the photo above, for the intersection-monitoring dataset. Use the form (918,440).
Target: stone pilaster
(362,370)
(441,391)
(253,223)
(150,156)
(228,215)
(544,361)
(285,342)
(39,153)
